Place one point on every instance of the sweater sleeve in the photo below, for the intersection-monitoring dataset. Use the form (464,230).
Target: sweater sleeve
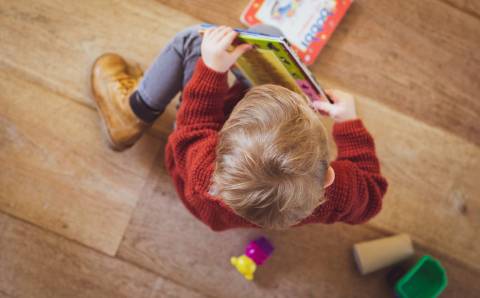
(190,154)
(203,97)
(359,186)
(357,191)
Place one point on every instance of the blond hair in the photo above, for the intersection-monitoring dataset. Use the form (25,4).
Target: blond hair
(271,158)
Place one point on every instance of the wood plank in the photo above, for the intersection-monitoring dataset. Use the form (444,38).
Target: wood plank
(311,261)
(168,240)
(471,7)
(36,263)
(79,32)
(169,289)
(433,192)
(3,222)
(215,12)
(418,57)
(135,29)
(58,172)
(4,295)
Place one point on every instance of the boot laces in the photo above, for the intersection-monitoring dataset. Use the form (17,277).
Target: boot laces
(126,83)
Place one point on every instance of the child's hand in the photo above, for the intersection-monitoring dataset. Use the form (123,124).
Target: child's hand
(342,109)
(215,44)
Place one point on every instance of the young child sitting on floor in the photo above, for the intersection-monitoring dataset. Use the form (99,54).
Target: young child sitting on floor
(242,158)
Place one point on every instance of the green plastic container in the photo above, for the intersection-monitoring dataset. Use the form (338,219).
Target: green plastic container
(427,279)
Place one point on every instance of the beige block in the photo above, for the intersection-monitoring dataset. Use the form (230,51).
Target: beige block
(377,254)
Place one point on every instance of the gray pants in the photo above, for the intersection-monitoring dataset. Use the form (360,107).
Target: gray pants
(173,68)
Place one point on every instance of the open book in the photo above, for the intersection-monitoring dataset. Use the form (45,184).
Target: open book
(273,61)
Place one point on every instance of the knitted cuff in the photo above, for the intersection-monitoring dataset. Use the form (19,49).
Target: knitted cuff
(351,135)
(351,127)
(141,109)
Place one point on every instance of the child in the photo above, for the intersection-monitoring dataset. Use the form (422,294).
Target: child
(238,158)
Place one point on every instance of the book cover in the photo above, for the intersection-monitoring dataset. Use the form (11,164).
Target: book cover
(273,61)
(307,24)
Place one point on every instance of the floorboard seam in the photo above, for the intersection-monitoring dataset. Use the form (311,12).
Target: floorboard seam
(165,277)
(26,76)
(6,294)
(119,258)
(45,230)
(133,263)
(473,14)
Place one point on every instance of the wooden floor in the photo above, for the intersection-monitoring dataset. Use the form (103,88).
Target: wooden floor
(77,220)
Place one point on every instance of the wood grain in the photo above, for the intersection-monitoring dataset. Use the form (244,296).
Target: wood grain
(168,289)
(471,7)
(311,261)
(418,57)
(215,12)
(4,295)
(36,263)
(64,40)
(432,191)
(58,172)
(168,240)
(412,64)
(432,194)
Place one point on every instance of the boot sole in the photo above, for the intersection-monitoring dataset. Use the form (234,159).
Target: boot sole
(106,134)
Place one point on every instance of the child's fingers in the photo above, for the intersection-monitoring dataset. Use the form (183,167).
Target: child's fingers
(339,96)
(323,106)
(240,50)
(209,35)
(206,33)
(225,30)
(212,32)
(220,33)
(228,39)
(323,113)
(332,94)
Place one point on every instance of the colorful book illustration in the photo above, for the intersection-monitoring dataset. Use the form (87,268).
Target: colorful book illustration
(273,61)
(307,24)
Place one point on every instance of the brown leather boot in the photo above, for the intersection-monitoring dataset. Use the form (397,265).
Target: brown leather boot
(112,84)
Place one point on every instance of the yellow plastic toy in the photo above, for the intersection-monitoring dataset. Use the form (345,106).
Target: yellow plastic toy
(256,253)
(244,265)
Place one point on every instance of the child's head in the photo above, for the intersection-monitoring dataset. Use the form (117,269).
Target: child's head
(272,158)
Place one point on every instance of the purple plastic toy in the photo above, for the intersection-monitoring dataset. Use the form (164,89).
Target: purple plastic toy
(259,250)
(256,253)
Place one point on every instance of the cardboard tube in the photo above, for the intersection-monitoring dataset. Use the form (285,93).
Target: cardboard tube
(378,254)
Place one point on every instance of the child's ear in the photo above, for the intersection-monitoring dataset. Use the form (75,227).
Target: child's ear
(329,177)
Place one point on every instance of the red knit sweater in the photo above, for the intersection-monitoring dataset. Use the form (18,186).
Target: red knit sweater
(354,197)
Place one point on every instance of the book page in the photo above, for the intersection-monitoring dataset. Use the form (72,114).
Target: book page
(264,67)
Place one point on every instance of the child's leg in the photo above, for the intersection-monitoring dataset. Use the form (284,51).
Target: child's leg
(173,68)
(169,73)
